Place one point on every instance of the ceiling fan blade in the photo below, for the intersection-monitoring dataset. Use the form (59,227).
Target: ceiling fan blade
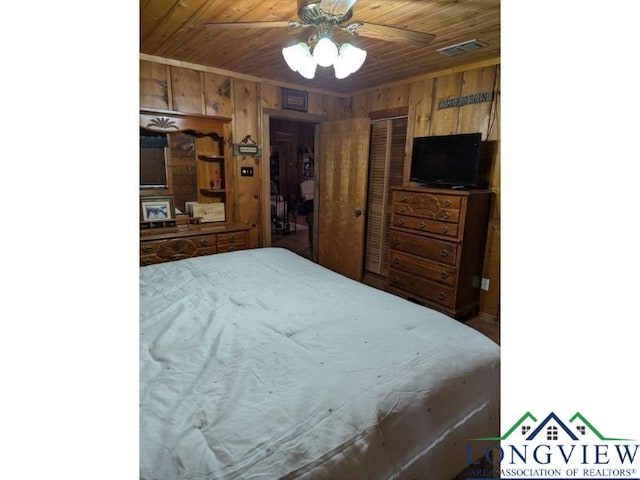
(273,24)
(391,34)
(336,7)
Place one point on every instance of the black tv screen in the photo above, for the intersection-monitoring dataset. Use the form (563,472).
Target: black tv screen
(449,161)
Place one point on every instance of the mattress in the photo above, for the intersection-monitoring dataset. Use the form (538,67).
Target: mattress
(260,364)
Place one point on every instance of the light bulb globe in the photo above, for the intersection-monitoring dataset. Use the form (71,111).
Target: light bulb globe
(325,52)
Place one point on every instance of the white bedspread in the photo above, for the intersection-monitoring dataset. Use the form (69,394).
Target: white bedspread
(260,364)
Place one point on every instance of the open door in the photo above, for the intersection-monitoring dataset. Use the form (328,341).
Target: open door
(342,195)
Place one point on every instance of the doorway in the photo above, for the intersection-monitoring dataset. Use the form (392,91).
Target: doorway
(291,184)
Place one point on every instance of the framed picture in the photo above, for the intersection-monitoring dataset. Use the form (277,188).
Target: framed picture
(157,208)
(294,100)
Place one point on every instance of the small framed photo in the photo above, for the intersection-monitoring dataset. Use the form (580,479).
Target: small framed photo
(154,208)
(294,100)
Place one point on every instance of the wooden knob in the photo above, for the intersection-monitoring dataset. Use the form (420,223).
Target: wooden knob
(442,295)
(444,252)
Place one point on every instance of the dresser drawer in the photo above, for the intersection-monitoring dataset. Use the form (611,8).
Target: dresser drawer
(205,242)
(422,289)
(426,225)
(430,200)
(431,248)
(423,268)
(229,242)
(443,214)
(428,205)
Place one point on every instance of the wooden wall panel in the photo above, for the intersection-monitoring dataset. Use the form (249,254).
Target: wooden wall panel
(475,117)
(421,99)
(187,88)
(315,103)
(154,85)
(336,108)
(360,106)
(445,121)
(490,300)
(217,95)
(270,96)
(246,121)
(388,98)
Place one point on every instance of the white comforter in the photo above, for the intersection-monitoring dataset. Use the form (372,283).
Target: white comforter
(260,364)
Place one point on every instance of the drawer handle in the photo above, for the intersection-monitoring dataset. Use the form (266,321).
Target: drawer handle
(396,261)
(394,279)
(147,261)
(444,229)
(421,225)
(401,221)
(232,239)
(396,241)
(203,243)
(147,249)
(442,295)
(444,274)
(403,198)
(445,215)
(444,252)
(447,203)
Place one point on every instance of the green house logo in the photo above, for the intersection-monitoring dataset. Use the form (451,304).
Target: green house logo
(528,428)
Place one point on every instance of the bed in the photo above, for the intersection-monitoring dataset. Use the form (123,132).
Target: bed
(260,364)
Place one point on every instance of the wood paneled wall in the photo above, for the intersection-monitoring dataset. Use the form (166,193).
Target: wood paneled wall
(170,86)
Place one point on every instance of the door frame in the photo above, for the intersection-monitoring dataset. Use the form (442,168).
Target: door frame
(265,206)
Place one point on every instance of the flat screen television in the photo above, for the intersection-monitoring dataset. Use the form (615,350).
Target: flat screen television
(450,161)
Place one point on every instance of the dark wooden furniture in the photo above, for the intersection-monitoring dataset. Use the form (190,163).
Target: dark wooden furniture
(214,176)
(437,242)
(166,245)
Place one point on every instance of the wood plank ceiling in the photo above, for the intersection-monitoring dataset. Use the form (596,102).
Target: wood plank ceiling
(176,30)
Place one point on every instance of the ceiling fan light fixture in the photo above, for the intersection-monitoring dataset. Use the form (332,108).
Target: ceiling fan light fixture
(325,52)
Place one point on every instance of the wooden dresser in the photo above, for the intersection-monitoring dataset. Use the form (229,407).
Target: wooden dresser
(166,245)
(437,242)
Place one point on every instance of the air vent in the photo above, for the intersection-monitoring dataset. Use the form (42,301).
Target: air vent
(459,48)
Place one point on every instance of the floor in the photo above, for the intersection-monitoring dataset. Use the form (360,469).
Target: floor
(296,238)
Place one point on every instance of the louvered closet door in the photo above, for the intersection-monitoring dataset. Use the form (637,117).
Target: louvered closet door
(386,167)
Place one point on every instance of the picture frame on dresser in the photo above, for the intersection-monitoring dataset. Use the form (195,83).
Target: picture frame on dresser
(157,207)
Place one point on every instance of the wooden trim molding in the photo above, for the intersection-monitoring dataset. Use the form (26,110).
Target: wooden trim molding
(166,121)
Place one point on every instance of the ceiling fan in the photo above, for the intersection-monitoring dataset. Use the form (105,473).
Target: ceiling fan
(325,16)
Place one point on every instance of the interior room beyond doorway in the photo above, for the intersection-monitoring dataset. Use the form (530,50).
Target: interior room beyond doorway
(291,181)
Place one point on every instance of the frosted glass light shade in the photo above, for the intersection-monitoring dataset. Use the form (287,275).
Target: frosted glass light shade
(349,60)
(299,59)
(294,55)
(325,52)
